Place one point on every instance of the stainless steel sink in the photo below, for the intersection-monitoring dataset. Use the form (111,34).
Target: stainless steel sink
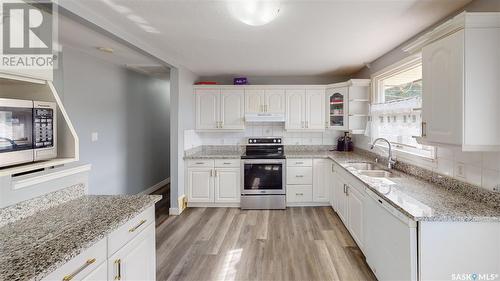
(364,166)
(377,173)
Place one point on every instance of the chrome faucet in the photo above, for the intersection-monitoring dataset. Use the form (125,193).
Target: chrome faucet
(390,161)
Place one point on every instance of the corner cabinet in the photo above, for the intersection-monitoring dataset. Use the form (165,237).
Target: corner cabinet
(347,105)
(220,109)
(461,66)
(305,110)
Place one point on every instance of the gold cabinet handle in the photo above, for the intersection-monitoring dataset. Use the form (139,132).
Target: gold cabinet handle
(215,172)
(211,173)
(118,264)
(299,176)
(137,226)
(299,194)
(80,269)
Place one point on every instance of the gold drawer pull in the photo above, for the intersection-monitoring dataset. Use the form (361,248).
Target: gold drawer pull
(299,194)
(118,264)
(80,269)
(137,226)
(299,176)
(227,163)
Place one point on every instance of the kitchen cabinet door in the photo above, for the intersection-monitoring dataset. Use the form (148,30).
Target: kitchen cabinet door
(275,101)
(321,180)
(137,259)
(254,101)
(227,185)
(443,75)
(341,200)
(200,185)
(232,109)
(295,110)
(315,109)
(207,108)
(355,215)
(336,108)
(331,185)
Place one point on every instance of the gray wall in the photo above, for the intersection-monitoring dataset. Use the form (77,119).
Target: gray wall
(398,54)
(129,110)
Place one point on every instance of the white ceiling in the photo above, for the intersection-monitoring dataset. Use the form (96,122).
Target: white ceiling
(86,39)
(335,37)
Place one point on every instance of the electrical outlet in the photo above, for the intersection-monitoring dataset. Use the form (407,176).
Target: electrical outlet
(94,136)
(460,172)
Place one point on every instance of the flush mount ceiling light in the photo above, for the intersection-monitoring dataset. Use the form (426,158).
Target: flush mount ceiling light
(254,12)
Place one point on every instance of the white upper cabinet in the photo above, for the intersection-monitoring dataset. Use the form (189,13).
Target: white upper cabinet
(347,106)
(461,66)
(336,104)
(207,108)
(254,101)
(265,100)
(220,109)
(305,110)
(315,109)
(232,111)
(275,101)
(295,109)
(442,73)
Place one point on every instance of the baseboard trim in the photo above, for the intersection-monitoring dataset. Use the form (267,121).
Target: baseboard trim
(307,204)
(173,212)
(213,205)
(155,187)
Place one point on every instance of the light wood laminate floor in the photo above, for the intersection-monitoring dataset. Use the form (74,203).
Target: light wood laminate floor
(309,243)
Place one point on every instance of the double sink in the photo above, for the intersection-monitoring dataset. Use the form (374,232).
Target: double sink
(371,169)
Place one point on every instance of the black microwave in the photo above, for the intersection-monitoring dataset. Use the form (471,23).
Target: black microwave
(28,131)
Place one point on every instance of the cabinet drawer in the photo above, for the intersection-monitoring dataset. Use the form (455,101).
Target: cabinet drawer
(201,163)
(298,193)
(129,230)
(299,175)
(299,162)
(82,265)
(227,163)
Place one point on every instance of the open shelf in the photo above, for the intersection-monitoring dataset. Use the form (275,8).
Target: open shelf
(359,115)
(359,100)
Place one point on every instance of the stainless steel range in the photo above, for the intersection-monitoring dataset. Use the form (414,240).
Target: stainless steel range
(263,170)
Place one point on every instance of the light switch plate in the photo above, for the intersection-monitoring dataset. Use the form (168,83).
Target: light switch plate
(94,136)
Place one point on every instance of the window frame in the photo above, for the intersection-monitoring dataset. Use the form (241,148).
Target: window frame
(377,96)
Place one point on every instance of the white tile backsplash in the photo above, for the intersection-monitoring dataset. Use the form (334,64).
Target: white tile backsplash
(193,139)
(479,168)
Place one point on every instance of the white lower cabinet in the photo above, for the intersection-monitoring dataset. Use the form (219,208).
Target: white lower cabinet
(213,181)
(321,180)
(128,253)
(136,260)
(226,182)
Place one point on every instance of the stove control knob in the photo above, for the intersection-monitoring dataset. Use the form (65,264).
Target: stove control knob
(274,140)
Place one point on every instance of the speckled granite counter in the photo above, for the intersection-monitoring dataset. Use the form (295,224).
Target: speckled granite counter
(215,152)
(33,247)
(417,198)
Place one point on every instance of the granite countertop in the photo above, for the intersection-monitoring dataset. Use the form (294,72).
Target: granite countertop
(221,154)
(418,199)
(35,246)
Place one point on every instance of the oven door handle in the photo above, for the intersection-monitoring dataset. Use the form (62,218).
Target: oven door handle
(263,161)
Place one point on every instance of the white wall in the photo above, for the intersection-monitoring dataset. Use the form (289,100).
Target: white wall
(182,118)
(130,113)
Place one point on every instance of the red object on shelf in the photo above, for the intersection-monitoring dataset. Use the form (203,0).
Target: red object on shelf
(206,83)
